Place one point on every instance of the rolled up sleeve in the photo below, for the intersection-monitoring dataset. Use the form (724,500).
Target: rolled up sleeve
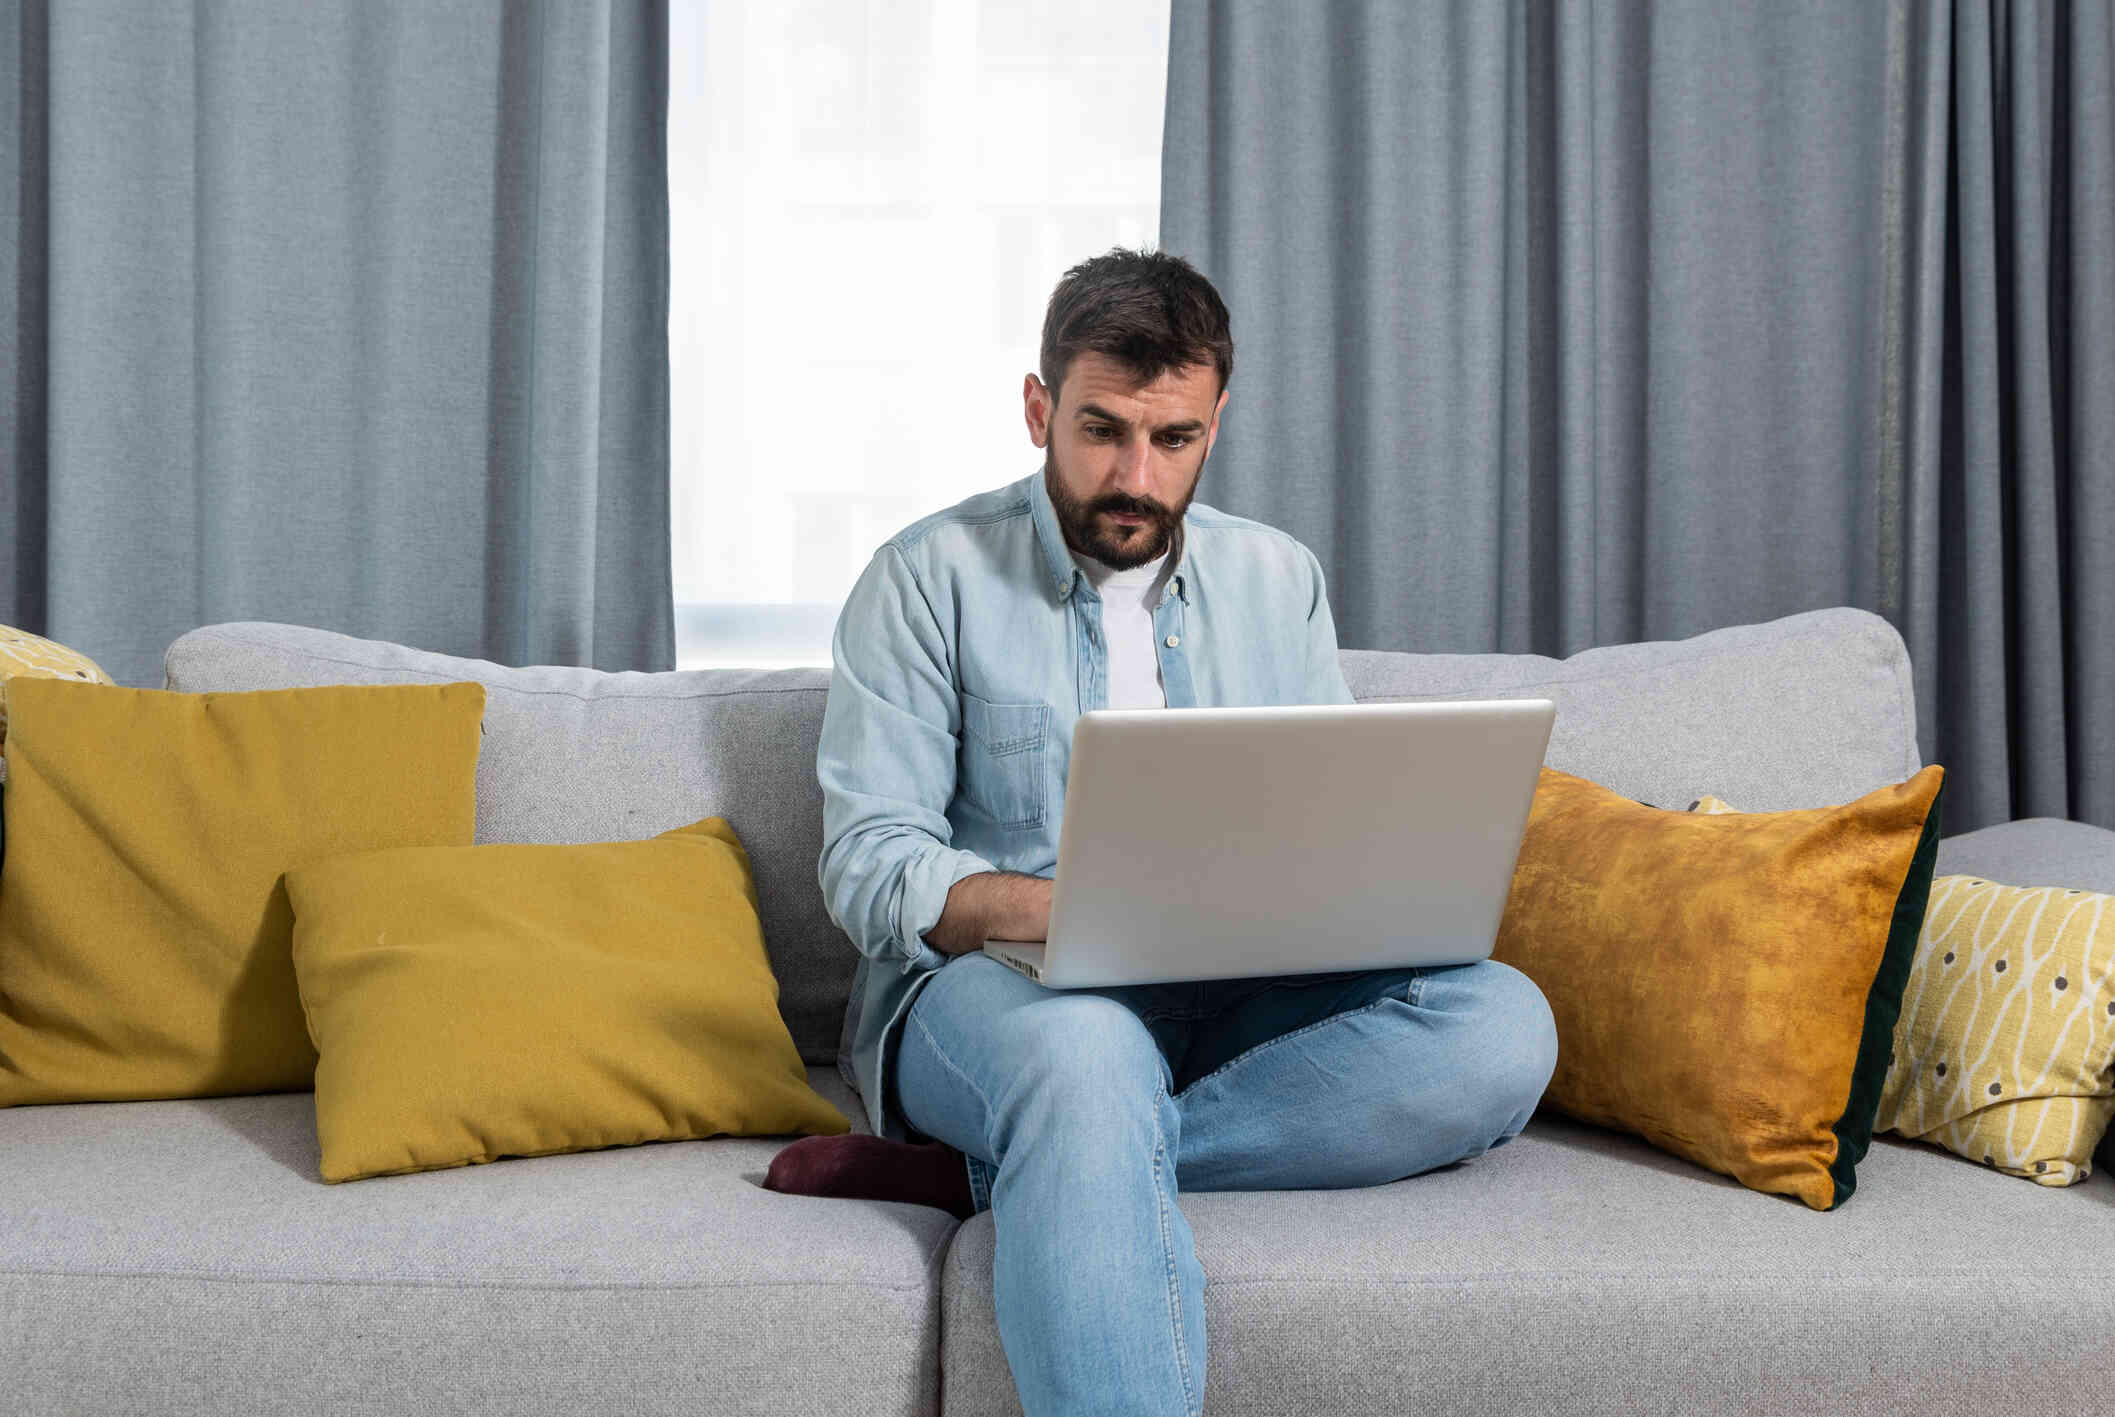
(886,762)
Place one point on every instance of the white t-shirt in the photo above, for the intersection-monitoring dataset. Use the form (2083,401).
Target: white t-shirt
(1128,598)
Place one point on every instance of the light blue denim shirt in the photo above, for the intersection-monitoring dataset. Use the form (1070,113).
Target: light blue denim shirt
(965,653)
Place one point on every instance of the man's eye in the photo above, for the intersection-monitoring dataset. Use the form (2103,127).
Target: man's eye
(1176,440)
(1097,430)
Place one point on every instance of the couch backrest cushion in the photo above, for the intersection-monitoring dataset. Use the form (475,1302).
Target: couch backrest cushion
(579,755)
(1809,711)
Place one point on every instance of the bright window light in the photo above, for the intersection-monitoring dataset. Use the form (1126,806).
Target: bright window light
(870,201)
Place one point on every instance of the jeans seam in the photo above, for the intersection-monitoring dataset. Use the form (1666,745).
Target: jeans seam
(967,1080)
(1167,1250)
(1248,1053)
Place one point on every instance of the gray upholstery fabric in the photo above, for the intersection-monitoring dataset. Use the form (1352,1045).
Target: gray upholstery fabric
(184,1259)
(349,313)
(2036,851)
(1576,1270)
(1564,325)
(580,755)
(1806,711)
(1571,1269)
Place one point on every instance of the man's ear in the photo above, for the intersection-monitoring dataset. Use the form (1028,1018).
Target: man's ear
(1037,406)
(1211,434)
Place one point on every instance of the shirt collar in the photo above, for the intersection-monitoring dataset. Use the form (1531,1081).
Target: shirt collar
(1058,564)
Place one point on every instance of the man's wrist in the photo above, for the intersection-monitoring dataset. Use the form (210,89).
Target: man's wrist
(1017,908)
(961,917)
(1003,905)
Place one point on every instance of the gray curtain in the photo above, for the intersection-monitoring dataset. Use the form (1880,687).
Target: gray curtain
(343,313)
(1578,323)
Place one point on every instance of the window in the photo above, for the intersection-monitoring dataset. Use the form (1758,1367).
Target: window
(870,201)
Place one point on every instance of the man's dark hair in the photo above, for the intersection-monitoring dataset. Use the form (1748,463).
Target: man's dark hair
(1147,310)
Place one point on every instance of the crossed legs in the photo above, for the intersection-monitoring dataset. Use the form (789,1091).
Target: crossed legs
(1084,1113)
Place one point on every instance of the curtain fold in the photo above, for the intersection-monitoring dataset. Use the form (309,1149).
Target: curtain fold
(1577,323)
(345,314)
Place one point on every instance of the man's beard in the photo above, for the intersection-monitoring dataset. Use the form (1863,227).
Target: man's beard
(1123,548)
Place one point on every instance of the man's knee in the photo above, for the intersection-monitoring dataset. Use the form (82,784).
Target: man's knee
(1516,1026)
(1087,1045)
(1085,1078)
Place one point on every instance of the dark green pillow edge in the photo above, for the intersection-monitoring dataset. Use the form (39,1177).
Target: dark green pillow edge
(1883,1006)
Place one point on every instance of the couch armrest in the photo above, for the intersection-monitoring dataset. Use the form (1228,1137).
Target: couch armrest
(2035,851)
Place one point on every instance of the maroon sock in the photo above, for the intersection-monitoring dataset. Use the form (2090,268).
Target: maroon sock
(874,1168)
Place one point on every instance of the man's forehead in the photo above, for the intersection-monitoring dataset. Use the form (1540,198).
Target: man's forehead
(1188,391)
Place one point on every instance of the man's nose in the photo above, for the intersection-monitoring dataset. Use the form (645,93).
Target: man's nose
(1132,461)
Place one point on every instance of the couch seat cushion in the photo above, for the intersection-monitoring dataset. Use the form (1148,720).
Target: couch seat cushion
(1579,1270)
(184,1257)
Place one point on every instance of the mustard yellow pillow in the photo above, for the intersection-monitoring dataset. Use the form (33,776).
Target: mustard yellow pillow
(144,934)
(471,1003)
(2005,1049)
(27,656)
(1725,986)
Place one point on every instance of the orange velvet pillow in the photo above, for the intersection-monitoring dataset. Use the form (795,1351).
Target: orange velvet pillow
(1725,986)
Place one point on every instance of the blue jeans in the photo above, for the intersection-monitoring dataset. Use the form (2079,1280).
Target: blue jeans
(1084,1112)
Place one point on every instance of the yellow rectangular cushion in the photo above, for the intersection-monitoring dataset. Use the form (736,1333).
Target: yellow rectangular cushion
(1725,986)
(2005,1052)
(145,937)
(470,1003)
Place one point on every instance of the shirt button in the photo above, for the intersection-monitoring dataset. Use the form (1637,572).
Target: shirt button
(1174,640)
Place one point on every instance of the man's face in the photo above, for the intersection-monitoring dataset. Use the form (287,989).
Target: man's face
(1123,458)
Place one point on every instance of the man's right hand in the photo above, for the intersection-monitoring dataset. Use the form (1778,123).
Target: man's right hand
(992,905)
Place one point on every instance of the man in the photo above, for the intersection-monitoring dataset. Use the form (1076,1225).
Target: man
(965,653)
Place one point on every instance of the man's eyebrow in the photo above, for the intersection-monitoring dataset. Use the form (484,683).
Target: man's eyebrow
(1094,410)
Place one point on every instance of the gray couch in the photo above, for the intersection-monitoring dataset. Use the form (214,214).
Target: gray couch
(183,1257)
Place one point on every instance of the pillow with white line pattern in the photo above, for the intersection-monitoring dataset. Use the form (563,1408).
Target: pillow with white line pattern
(27,656)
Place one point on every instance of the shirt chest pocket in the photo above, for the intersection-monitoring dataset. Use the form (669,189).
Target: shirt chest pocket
(1004,751)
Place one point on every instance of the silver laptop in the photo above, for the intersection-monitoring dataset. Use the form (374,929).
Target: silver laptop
(1221,843)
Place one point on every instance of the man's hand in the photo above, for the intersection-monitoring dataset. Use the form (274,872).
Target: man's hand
(992,905)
